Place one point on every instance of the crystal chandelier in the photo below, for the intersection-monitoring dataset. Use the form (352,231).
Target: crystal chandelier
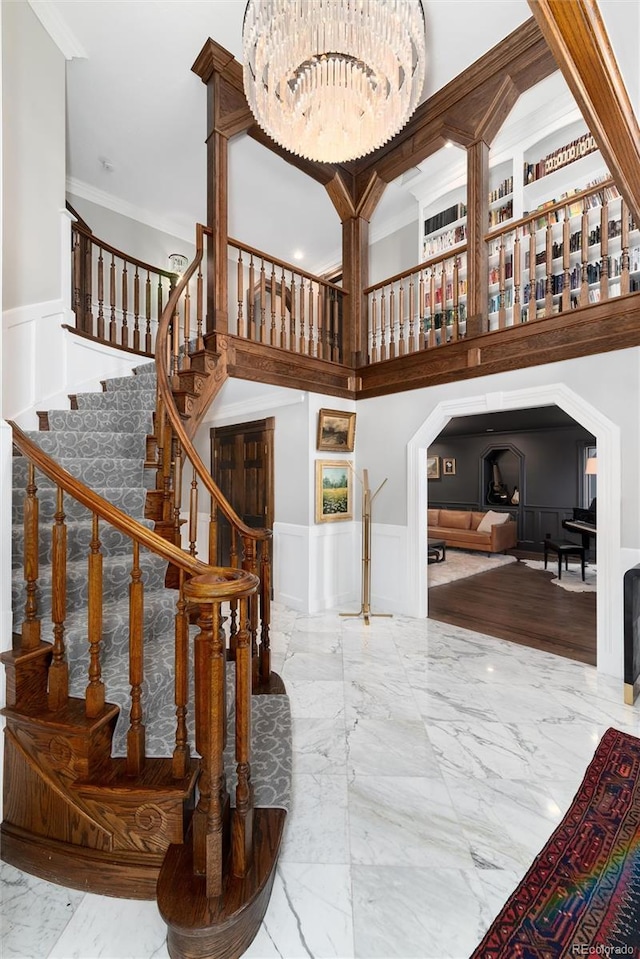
(332,80)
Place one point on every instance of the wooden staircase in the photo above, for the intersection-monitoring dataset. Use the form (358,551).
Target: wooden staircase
(132,765)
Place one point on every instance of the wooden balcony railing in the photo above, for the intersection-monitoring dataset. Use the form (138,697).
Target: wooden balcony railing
(117,298)
(276,303)
(580,250)
(420,308)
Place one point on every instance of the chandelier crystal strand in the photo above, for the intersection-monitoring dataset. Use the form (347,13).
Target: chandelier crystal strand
(332,80)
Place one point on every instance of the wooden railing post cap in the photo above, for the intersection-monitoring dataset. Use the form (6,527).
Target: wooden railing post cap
(221,584)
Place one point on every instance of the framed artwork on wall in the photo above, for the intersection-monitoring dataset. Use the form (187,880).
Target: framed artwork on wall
(334,498)
(433,467)
(336,431)
(448,466)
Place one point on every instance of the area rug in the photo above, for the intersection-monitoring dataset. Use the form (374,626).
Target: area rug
(460,564)
(581,896)
(571,578)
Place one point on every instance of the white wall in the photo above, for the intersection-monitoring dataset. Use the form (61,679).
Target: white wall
(394,253)
(131,236)
(33,118)
(316,566)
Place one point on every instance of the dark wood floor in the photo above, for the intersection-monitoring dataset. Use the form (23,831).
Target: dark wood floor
(522,605)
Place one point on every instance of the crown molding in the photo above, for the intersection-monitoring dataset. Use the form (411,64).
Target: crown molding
(58,29)
(124,208)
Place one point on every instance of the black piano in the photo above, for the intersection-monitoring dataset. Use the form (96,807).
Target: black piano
(583,522)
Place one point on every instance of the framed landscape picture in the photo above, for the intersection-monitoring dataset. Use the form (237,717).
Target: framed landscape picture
(336,431)
(333,491)
(433,467)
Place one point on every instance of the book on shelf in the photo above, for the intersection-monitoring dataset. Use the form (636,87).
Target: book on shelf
(444,218)
(500,214)
(434,245)
(504,189)
(559,158)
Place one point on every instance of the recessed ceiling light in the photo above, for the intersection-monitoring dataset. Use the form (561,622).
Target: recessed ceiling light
(298,255)
(448,144)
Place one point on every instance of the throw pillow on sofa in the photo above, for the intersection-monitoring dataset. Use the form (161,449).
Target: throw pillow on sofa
(492,519)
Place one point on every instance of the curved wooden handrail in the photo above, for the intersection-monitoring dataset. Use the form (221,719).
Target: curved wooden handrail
(261,255)
(78,228)
(168,402)
(106,511)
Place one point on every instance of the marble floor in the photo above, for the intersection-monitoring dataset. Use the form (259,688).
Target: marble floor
(430,765)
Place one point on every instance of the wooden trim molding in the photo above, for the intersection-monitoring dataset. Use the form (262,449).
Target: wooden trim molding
(578,38)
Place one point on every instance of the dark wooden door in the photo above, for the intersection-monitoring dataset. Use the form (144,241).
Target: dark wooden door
(242,466)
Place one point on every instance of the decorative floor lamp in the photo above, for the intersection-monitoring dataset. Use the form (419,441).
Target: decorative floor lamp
(367,499)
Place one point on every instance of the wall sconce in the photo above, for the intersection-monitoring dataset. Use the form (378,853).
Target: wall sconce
(591,468)
(178,263)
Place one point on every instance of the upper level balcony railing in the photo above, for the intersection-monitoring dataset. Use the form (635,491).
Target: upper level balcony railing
(278,304)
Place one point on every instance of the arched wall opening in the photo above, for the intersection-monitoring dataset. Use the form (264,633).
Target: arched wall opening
(609,639)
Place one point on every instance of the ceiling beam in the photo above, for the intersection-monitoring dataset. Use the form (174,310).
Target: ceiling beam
(578,38)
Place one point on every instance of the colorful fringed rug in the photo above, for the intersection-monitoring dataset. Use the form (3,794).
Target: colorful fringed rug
(581,896)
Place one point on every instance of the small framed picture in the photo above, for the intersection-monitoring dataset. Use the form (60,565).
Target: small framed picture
(433,467)
(448,466)
(336,431)
(333,491)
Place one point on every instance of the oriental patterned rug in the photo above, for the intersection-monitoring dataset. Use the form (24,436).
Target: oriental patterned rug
(581,896)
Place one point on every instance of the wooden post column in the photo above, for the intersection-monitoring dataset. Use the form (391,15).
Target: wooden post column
(355,278)
(477,257)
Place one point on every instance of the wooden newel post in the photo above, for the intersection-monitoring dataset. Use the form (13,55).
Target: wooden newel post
(211,820)
(367,500)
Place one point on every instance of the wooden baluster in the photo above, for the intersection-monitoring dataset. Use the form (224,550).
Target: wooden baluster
(320,330)
(265,612)
(213,533)
(283,311)
(548,290)
(401,344)
(383,324)
(335,309)
(136,311)
(373,313)
(327,299)
(263,304)
(94,694)
(177,494)
(136,731)
(432,306)
(31,623)
(210,813)
(199,310)
(193,515)
(303,297)
(292,316)
(565,300)
(242,816)
(78,305)
(160,296)
(392,323)
(124,330)
(412,314)
(584,256)
(88,282)
(234,563)
(502,311)
(422,320)
(59,670)
(250,566)
(186,329)
(251,304)
(273,333)
(167,459)
(175,343)
(455,331)
(181,753)
(624,246)
(517,278)
(112,301)
(100,328)
(532,310)
(312,351)
(240,294)
(148,342)
(443,303)
(605,264)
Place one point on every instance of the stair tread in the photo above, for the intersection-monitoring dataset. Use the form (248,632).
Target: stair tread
(155,776)
(71,716)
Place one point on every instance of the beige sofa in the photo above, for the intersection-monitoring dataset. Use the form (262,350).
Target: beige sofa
(459,528)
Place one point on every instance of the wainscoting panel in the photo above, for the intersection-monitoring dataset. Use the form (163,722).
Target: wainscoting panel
(334,566)
(389,563)
(291,565)
(537,521)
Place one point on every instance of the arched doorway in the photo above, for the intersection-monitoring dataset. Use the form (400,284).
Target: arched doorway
(609,595)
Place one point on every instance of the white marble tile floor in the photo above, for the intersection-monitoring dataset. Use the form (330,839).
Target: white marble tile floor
(430,766)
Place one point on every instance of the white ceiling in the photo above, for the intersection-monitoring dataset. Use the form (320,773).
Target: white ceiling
(133,101)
